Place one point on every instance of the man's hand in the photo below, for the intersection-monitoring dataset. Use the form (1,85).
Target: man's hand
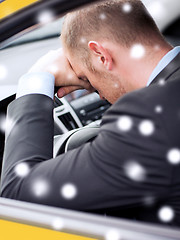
(56,63)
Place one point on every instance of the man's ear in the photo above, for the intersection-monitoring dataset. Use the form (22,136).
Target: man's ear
(102,54)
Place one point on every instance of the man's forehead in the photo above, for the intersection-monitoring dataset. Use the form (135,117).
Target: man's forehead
(74,63)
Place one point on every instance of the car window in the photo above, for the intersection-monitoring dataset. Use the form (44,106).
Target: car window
(78,109)
(49,30)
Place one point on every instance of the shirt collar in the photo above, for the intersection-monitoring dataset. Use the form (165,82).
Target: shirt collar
(163,63)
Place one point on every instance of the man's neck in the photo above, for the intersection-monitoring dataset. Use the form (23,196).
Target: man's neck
(138,70)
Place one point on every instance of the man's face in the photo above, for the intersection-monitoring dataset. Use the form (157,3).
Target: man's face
(107,84)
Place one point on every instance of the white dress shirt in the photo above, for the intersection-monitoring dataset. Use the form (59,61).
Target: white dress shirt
(163,63)
(36,83)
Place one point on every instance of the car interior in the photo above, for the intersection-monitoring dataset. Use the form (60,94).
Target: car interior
(77,117)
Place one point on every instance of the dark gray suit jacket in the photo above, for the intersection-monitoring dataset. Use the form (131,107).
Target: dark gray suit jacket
(123,172)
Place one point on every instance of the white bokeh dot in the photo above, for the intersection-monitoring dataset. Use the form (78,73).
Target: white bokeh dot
(158,10)
(68,191)
(113,234)
(166,214)
(157,47)
(57,223)
(2,122)
(53,68)
(173,156)
(45,17)
(137,51)
(9,124)
(116,85)
(146,128)
(149,201)
(21,169)
(158,109)
(102,16)
(127,8)
(161,82)
(70,76)
(40,188)
(6,124)
(125,123)
(135,171)
(83,40)
(3,72)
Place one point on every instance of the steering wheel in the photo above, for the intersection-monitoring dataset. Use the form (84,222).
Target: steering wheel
(78,136)
(74,139)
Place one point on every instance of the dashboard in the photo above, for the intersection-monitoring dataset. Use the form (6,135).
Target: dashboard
(78,109)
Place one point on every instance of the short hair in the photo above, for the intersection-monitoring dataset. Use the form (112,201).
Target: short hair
(121,21)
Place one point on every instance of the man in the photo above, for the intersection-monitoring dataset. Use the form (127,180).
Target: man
(131,169)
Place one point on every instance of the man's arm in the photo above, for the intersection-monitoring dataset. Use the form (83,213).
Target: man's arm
(56,64)
(91,177)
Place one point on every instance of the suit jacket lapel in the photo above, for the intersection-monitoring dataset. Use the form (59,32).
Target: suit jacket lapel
(168,71)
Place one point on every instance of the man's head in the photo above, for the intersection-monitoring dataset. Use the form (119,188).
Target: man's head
(99,41)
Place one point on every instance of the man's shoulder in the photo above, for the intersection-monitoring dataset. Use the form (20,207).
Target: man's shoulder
(164,92)
(152,102)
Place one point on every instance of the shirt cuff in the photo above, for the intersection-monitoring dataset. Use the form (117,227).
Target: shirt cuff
(36,83)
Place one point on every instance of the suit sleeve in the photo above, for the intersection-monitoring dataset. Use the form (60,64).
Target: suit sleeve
(92,177)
